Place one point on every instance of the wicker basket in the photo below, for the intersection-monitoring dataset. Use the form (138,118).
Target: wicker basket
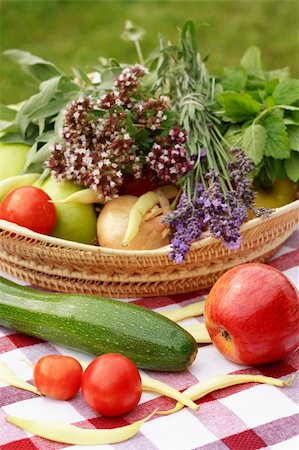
(67,266)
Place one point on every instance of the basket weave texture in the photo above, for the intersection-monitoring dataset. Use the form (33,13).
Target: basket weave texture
(66,266)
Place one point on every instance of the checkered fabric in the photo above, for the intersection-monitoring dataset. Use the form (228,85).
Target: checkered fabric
(243,417)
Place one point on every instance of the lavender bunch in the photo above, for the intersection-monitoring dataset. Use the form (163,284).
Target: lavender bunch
(217,191)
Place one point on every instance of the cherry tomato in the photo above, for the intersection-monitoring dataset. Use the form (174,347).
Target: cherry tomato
(29,207)
(111,385)
(58,376)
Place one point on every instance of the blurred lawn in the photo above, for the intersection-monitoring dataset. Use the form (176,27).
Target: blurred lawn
(76,33)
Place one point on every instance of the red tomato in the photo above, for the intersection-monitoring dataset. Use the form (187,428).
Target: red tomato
(58,376)
(29,207)
(111,385)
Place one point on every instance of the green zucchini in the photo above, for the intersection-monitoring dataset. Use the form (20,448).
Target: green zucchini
(97,325)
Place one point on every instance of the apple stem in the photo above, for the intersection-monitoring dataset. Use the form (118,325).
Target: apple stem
(226,335)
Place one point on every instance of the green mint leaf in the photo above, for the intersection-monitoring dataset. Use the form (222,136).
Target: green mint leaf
(293,133)
(286,92)
(37,67)
(269,170)
(270,86)
(279,74)
(277,143)
(251,63)
(239,107)
(254,141)
(235,79)
(292,167)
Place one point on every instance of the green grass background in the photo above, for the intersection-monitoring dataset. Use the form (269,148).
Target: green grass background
(76,33)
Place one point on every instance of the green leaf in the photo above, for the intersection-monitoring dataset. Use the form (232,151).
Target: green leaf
(286,92)
(292,167)
(7,113)
(14,138)
(238,106)
(51,108)
(9,127)
(254,141)
(47,91)
(277,143)
(270,86)
(33,65)
(234,135)
(235,79)
(280,74)
(251,62)
(293,133)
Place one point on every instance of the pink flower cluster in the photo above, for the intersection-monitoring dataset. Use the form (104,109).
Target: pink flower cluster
(168,158)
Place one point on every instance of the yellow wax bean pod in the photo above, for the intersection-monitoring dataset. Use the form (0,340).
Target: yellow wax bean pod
(9,184)
(10,378)
(203,388)
(193,310)
(199,332)
(85,196)
(152,385)
(58,431)
(142,205)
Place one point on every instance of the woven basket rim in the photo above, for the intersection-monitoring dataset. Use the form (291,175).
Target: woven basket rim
(13,228)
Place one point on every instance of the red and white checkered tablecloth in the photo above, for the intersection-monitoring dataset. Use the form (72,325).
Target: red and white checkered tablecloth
(243,417)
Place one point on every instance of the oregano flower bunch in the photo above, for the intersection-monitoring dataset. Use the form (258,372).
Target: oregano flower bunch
(125,130)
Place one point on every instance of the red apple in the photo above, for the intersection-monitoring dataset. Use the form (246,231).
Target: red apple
(252,314)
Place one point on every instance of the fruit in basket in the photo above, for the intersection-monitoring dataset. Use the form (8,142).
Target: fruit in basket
(252,314)
(280,193)
(12,159)
(58,376)
(111,385)
(75,221)
(29,207)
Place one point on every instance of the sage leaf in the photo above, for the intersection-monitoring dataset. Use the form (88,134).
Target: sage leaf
(7,113)
(286,92)
(292,167)
(251,62)
(254,141)
(51,108)
(239,106)
(9,127)
(293,133)
(37,67)
(13,137)
(277,143)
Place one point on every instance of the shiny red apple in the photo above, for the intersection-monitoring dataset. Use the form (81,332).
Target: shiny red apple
(252,314)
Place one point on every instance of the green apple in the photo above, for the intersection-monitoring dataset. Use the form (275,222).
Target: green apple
(75,221)
(12,159)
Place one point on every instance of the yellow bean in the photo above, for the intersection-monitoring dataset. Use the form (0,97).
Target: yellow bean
(9,184)
(143,204)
